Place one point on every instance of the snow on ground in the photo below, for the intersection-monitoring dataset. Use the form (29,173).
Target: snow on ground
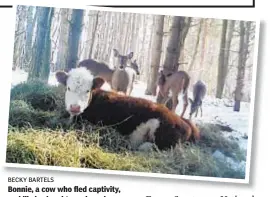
(214,111)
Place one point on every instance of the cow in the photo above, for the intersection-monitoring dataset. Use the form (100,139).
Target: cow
(142,120)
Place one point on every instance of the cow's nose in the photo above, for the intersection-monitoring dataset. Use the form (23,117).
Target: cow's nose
(75,108)
(121,67)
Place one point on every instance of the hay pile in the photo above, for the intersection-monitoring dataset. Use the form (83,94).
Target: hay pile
(38,134)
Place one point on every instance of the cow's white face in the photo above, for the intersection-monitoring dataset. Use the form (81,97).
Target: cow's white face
(78,92)
(79,84)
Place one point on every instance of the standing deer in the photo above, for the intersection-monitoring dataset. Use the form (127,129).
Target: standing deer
(123,76)
(100,69)
(175,83)
(199,92)
(134,65)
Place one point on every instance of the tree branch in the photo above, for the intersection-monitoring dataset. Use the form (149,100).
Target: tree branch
(17,34)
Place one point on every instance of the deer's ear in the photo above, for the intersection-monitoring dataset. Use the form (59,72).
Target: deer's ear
(115,53)
(130,55)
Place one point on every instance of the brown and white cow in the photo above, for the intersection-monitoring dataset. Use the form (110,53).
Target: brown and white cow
(144,121)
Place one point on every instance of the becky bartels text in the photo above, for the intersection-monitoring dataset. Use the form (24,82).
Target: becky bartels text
(30,179)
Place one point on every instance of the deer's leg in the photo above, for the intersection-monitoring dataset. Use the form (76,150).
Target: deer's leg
(196,113)
(165,95)
(130,90)
(201,110)
(174,101)
(185,104)
(160,98)
(188,133)
(161,90)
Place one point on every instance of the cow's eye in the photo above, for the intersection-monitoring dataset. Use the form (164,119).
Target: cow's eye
(68,89)
(87,91)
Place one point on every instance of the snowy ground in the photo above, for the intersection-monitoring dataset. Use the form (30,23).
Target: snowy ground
(214,111)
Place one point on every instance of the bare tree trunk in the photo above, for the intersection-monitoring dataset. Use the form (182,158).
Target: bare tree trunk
(203,50)
(18,52)
(74,37)
(114,37)
(142,50)
(191,65)
(135,43)
(243,53)
(221,70)
(55,37)
(63,37)
(156,53)
(228,47)
(121,20)
(42,45)
(45,69)
(183,34)
(126,33)
(106,52)
(94,35)
(131,35)
(179,30)
(148,52)
(29,35)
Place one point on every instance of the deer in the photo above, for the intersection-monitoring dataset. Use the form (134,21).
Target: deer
(199,92)
(173,83)
(123,76)
(103,70)
(100,69)
(134,65)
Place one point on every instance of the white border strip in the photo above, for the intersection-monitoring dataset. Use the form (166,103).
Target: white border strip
(253,96)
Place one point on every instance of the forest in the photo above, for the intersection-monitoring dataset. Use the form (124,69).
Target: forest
(215,51)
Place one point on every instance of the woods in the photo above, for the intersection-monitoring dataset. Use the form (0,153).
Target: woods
(156,53)
(75,31)
(208,49)
(40,66)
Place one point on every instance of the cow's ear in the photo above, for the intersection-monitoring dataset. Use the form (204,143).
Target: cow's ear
(61,77)
(97,83)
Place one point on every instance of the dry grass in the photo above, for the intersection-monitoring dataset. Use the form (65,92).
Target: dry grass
(40,136)
(58,148)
